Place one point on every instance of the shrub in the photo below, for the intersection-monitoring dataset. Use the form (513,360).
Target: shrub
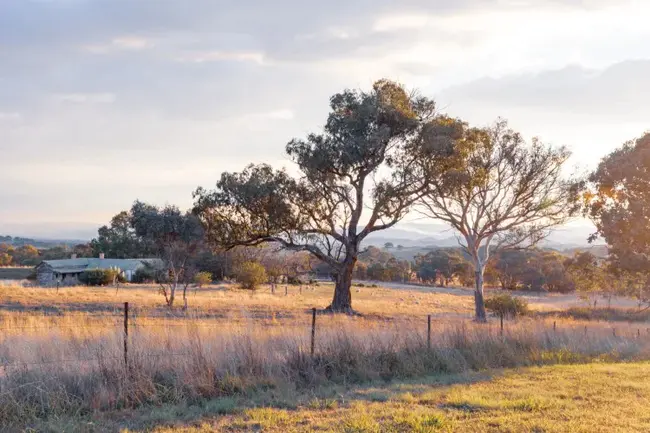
(506,305)
(250,275)
(144,275)
(100,277)
(202,278)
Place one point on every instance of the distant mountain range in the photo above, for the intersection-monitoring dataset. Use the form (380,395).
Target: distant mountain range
(439,235)
(407,234)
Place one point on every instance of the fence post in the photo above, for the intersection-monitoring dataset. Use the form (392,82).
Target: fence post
(614,332)
(313,330)
(429,331)
(126,334)
(501,318)
(638,333)
(553,325)
(286,290)
(585,329)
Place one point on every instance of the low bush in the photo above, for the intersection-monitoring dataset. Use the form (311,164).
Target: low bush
(100,277)
(144,275)
(505,305)
(250,275)
(202,278)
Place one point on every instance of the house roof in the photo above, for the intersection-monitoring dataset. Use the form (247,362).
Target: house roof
(82,264)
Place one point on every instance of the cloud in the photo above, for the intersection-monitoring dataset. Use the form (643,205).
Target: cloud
(149,99)
(218,56)
(619,90)
(83,98)
(122,43)
(9,116)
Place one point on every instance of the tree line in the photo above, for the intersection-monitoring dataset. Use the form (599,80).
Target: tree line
(385,152)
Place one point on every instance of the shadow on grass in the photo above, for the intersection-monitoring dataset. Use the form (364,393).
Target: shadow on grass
(149,418)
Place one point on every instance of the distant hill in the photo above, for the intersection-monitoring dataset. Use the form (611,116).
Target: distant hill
(410,239)
(18,241)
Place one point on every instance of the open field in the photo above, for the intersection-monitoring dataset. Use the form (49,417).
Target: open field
(15,273)
(606,398)
(62,353)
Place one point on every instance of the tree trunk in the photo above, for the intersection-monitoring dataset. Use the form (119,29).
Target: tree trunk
(342,302)
(479,302)
(185,297)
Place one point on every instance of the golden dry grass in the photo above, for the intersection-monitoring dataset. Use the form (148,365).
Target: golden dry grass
(63,352)
(219,302)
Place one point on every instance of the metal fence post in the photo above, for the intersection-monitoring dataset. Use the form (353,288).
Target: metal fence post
(313,330)
(429,331)
(126,334)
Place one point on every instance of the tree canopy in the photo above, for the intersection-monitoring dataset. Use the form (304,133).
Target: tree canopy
(617,199)
(494,188)
(356,177)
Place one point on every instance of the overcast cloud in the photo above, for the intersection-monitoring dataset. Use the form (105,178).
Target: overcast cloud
(106,101)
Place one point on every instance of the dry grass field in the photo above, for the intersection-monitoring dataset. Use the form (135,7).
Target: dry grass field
(63,368)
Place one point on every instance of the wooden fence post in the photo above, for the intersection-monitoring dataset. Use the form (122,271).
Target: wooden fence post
(126,334)
(429,331)
(554,326)
(313,330)
(501,318)
(286,290)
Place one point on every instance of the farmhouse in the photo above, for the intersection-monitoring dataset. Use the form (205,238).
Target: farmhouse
(66,272)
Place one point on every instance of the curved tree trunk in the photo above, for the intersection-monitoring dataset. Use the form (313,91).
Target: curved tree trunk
(479,301)
(342,302)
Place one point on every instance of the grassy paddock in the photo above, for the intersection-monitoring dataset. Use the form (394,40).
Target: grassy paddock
(15,273)
(62,352)
(187,365)
(607,314)
(607,398)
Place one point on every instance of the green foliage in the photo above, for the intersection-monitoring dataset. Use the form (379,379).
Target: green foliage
(587,272)
(530,270)
(99,277)
(492,186)
(377,264)
(506,305)
(119,240)
(250,275)
(617,199)
(144,275)
(359,163)
(442,265)
(202,278)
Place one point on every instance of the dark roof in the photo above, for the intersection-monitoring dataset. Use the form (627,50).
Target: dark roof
(82,264)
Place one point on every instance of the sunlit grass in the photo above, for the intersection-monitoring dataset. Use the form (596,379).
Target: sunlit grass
(579,398)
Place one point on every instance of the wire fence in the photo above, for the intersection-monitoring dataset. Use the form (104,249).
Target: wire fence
(128,320)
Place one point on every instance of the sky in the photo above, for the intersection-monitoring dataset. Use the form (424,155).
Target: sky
(106,101)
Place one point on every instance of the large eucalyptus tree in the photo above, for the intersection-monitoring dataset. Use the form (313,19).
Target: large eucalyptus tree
(495,189)
(356,177)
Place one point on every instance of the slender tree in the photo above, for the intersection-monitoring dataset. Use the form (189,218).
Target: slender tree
(176,237)
(493,188)
(355,180)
